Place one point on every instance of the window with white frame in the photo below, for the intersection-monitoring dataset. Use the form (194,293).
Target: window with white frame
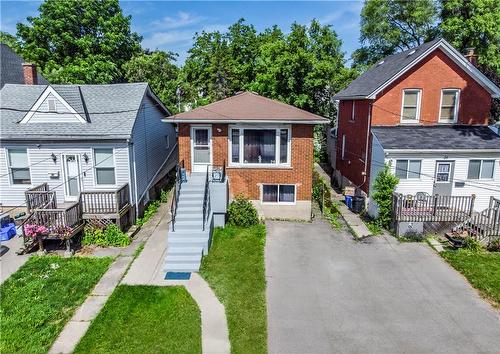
(410,111)
(260,145)
(278,193)
(19,166)
(104,165)
(408,169)
(353,110)
(481,169)
(51,102)
(449,106)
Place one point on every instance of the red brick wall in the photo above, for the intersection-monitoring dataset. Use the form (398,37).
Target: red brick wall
(433,74)
(353,164)
(246,181)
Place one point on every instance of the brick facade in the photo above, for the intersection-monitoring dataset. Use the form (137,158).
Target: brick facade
(247,181)
(434,73)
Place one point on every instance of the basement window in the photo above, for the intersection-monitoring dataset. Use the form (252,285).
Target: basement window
(278,194)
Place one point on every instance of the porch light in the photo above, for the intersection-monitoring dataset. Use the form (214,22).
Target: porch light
(54,157)
(85,157)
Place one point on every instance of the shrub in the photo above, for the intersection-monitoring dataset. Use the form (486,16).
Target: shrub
(383,188)
(494,245)
(149,212)
(241,212)
(163,196)
(412,237)
(110,236)
(473,245)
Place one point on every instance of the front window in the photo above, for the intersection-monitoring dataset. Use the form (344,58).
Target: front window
(278,193)
(19,166)
(259,146)
(449,106)
(408,169)
(481,169)
(410,112)
(104,166)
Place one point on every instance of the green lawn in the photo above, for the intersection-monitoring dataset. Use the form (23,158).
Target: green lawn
(145,319)
(234,268)
(38,300)
(482,269)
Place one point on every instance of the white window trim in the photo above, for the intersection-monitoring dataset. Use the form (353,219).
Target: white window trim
(419,99)
(449,172)
(210,145)
(49,100)
(49,90)
(455,110)
(278,200)
(353,110)
(96,185)
(277,129)
(11,182)
(65,176)
(343,146)
(408,169)
(481,169)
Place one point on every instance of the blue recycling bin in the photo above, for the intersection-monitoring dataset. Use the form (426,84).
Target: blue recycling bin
(348,201)
(7,232)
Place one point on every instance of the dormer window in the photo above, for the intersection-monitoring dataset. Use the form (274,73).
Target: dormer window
(449,106)
(51,102)
(410,111)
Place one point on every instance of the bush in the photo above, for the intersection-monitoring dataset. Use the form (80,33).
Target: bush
(321,194)
(110,236)
(149,212)
(383,188)
(494,245)
(473,245)
(412,237)
(241,212)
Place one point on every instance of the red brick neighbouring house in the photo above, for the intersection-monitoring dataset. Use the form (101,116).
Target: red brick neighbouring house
(425,113)
(265,146)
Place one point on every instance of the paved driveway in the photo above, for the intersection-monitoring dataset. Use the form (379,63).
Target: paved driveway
(329,294)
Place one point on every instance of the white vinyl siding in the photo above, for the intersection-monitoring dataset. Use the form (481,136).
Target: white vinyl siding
(448,111)
(410,110)
(53,111)
(42,167)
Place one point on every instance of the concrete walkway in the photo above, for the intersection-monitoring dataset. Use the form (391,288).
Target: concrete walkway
(10,262)
(328,293)
(355,223)
(147,269)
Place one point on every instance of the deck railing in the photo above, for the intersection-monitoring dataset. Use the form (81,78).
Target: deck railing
(177,191)
(485,225)
(105,201)
(39,196)
(425,207)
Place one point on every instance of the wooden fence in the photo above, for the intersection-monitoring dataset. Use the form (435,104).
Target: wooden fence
(425,207)
(105,201)
(485,225)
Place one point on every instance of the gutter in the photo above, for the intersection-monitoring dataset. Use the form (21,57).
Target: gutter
(419,151)
(248,121)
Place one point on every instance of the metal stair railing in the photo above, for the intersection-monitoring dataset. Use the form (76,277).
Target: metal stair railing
(206,200)
(177,191)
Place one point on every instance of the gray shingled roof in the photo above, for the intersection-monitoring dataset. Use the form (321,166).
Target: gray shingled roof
(11,66)
(437,137)
(378,74)
(110,110)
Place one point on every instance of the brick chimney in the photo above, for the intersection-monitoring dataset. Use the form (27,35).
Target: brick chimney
(471,56)
(29,73)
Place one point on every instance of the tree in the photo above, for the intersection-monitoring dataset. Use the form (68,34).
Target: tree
(383,188)
(473,24)
(390,26)
(79,41)
(157,69)
(11,41)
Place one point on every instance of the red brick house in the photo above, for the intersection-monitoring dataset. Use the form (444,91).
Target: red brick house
(424,112)
(265,147)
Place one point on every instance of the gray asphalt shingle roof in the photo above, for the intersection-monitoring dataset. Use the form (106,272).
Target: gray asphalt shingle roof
(12,68)
(437,137)
(378,74)
(110,110)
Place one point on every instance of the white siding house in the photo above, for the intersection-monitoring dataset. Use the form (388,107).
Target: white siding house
(82,138)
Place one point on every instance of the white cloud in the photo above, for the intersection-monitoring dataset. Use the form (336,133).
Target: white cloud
(215,28)
(183,19)
(161,39)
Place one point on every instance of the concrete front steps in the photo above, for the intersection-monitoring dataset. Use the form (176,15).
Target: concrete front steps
(188,241)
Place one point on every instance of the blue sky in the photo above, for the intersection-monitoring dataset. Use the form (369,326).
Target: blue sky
(171,25)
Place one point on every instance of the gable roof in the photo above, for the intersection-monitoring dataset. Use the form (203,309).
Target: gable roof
(386,71)
(110,111)
(247,107)
(12,68)
(437,137)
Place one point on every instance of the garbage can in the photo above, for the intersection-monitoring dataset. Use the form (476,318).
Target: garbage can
(348,201)
(358,204)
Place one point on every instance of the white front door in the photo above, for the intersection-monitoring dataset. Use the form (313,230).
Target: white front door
(201,148)
(71,165)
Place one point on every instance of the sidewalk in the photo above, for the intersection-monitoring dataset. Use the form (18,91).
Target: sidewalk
(353,220)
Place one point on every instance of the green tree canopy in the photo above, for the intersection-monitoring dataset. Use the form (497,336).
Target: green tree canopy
(11,41)
(389,26)
(79,41)
(473,24)
(157,69)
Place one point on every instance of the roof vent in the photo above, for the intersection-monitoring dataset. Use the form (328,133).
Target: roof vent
(380,63)
(411,52)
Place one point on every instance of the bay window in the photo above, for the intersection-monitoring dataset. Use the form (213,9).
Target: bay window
(269,146)
(19,166)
